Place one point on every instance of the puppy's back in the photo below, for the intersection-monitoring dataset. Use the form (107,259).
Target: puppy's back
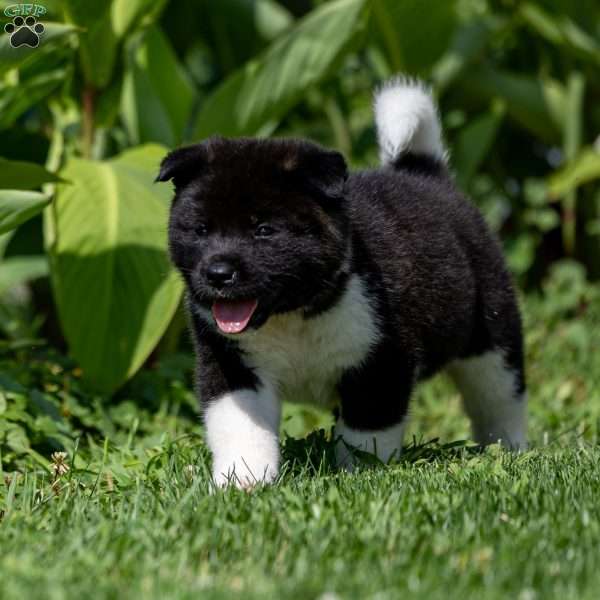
(434,267)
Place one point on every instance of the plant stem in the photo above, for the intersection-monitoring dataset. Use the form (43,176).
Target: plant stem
(571,145)
(87,137)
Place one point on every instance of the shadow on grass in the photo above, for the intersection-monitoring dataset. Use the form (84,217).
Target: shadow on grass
(315,454)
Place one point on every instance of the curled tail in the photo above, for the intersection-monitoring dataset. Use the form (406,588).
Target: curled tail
(407,122)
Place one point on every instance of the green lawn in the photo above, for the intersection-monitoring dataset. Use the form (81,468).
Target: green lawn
(134,516)
(445,526)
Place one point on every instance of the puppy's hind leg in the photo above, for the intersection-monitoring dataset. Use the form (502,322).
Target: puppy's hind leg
(374,406)
(384,443)
(494,398)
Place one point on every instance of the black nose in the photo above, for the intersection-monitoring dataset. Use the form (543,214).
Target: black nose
(221,273)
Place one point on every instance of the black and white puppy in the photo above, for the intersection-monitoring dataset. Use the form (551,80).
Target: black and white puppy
(309,284)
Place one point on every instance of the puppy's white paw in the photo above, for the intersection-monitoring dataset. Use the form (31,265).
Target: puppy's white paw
(242,475)
(242,431)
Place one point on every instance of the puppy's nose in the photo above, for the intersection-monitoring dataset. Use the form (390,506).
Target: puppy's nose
(221,273)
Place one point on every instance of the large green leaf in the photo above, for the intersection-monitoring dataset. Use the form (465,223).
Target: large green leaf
(114,288)
(21,175)
(267,87)
(158,94)
(17,206)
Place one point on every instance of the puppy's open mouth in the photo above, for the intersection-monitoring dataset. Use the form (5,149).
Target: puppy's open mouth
(233,316)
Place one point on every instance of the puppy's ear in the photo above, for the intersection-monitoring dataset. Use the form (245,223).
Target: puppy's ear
(325,171)
(183,164)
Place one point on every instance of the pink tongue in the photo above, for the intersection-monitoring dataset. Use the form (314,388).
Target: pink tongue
(232,316)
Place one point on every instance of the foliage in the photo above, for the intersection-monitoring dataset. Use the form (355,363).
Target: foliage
(112,284)
(517,84)
(17,206)
(255,97)
(104,475)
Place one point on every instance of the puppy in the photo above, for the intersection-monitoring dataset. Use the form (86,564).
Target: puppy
(310,284)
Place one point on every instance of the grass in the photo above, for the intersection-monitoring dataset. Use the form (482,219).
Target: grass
(134,514)
(455,525)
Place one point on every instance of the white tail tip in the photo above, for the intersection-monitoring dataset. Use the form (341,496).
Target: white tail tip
(407,121)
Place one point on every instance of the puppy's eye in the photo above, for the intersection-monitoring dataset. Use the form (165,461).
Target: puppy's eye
(263,231)
(201,230)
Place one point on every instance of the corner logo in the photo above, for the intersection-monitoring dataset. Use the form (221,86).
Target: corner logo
(25,29)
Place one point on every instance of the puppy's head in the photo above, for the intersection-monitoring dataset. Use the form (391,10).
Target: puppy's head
(257,227)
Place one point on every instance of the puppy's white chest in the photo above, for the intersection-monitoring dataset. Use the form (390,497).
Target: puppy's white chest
(305,358)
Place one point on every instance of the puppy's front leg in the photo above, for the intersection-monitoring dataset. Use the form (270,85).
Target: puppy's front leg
(241,412)
(242,431)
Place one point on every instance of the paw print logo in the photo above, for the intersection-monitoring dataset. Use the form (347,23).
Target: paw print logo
(24,32)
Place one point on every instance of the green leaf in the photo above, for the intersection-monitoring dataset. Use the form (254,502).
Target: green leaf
(16,438)
(20,175)
(234,30)
(18,98)
(17,206)
(158,94)
(413,43)
(18,269)
(583,169)
(104,24)
(536,104)
(129,14)
(98,42)
(4,240)
(468,43)
(474,142)
(271,18)
(521,253)
(19,57)
(561,31)
(113,285)
(264,89)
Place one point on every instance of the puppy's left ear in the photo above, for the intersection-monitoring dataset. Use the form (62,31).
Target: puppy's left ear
(324,170)
(183,164)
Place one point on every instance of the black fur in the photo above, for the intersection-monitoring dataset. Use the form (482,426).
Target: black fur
(434,273)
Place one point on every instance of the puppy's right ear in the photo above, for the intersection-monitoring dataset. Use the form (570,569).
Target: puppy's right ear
(183,164)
